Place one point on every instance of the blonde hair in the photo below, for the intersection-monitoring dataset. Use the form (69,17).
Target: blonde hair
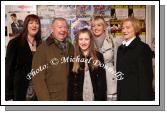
(77,50)
(135,23)
(100,19)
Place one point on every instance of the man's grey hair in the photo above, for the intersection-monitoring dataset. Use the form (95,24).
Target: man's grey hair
(61,19)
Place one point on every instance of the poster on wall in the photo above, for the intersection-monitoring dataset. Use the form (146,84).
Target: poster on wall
(15,15)
(121,11)
(84,12)
(102,10)
(138,11)
(52,11)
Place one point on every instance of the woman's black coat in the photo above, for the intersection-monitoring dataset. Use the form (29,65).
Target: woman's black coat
(135,62)
(18,63)
(98,78)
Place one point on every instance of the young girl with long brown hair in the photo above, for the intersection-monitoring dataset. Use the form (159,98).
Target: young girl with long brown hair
(87,79)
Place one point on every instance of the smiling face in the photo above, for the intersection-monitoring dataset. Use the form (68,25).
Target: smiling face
(128,30)
(33,28)
(84,41)
(60,29)
(98,27)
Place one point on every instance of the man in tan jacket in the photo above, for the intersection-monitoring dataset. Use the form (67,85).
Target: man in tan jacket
(49,73)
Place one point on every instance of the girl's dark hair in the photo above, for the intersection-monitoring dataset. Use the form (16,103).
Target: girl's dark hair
(24,34)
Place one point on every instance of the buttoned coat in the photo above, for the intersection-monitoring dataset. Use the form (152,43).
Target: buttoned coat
(135,64)
(50,81)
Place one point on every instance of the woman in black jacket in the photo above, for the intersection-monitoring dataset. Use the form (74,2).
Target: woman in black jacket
(134,61)
(18,59)
(87,79)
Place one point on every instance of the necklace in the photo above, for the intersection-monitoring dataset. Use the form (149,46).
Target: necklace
(32,43)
